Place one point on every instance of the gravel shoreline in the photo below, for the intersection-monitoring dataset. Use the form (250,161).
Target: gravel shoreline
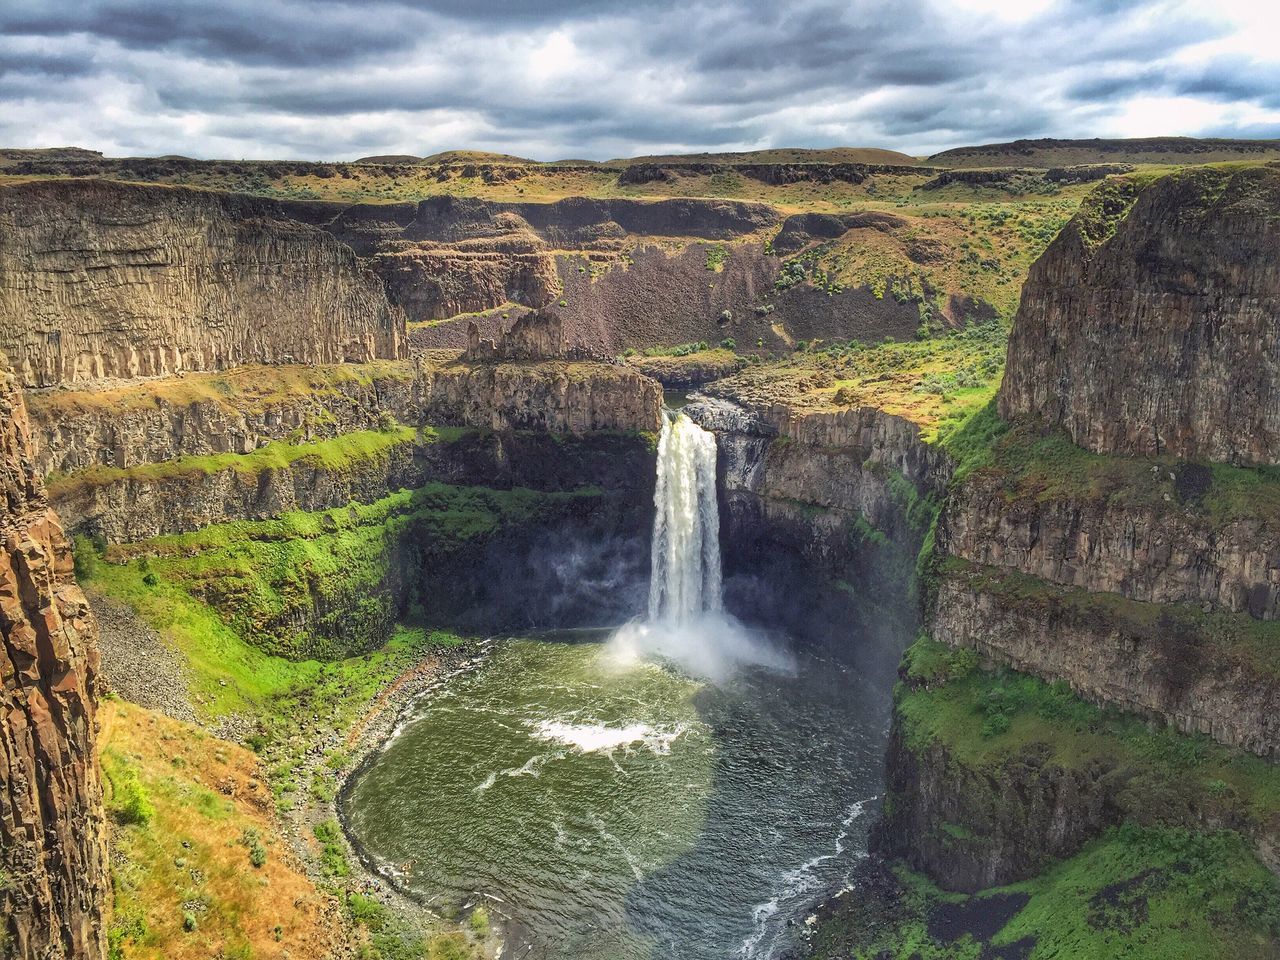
(361,744)
(139,666)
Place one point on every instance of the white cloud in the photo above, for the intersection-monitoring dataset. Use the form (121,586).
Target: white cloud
(603,78)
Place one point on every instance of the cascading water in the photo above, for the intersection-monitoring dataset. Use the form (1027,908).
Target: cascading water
(686,623)
(684,582)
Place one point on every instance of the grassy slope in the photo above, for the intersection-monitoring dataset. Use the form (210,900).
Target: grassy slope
(936,382)
(1150,890)
(185,886)
(334,454)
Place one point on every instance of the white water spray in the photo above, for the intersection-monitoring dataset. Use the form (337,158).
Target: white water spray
(684,581)
(686,622)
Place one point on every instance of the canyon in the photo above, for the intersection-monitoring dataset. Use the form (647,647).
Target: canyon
(288,435)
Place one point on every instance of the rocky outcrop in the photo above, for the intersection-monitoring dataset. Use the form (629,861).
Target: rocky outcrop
(123,506)
(53,853)
(235,412)
(559,396)
(436,281)
(241,411)
(1196,672)
(1150,324)
(102,280)
(1162,548)
(535,336)
(690,370)
(971,828)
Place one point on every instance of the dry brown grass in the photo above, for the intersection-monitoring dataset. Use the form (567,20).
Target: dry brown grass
(191,858)
(248,388)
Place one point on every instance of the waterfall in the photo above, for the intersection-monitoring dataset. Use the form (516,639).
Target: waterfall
(684,581)
(687,624)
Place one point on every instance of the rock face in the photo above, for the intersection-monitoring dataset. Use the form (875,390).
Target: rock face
(1148,329)
(103,280)
(1159,552)
(1006,824)
(235,412)
(52,847)
(1198,674)
(557,396)
(132,505)
(535,336)
(1152,323)
(814,503)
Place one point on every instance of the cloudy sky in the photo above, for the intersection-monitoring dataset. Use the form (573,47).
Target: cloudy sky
(339,79)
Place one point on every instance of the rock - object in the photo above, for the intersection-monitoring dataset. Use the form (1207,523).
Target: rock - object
(101,280)
(1151,325)
(53,854)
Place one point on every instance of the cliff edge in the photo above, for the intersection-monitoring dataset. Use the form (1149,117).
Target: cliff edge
(53,853)
(1150,324)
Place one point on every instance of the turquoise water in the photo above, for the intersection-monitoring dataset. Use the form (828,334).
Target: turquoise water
(610,809)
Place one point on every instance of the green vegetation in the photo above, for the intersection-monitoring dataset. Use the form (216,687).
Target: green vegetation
(128,800)
(1026,461)
(1105,208)
(1154,893)
(1169,778)
(939,382)
(337,454)
(717,256)
(1160,885)
(333,858)
(312,584)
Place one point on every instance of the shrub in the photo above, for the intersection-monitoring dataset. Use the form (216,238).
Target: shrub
(188,921)
(85,555)
(728,343)
(130,801)
(366,911)
(257,852)
(479,921)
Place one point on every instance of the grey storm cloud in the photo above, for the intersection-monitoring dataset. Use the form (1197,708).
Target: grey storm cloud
(597,78)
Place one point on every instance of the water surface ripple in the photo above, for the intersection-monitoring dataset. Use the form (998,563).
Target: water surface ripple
(615,812)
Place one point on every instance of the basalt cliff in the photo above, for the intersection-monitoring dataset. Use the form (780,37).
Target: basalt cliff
(1103,542)
(99,281)
(53,853)
(1148,326)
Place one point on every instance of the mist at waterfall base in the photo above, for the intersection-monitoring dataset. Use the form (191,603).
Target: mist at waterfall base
(687,623)
(677,788)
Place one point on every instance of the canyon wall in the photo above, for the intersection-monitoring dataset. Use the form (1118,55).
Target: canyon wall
(241,411)
(822,515)
(1149,325)
(102,280)
(1133,576)
(53,853)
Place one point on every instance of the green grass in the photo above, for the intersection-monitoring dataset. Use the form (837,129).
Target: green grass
(1136,893)
(948,701)
(336,454)
(314,584)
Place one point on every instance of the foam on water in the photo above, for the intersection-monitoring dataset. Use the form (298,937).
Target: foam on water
(601,738)
(793,886)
